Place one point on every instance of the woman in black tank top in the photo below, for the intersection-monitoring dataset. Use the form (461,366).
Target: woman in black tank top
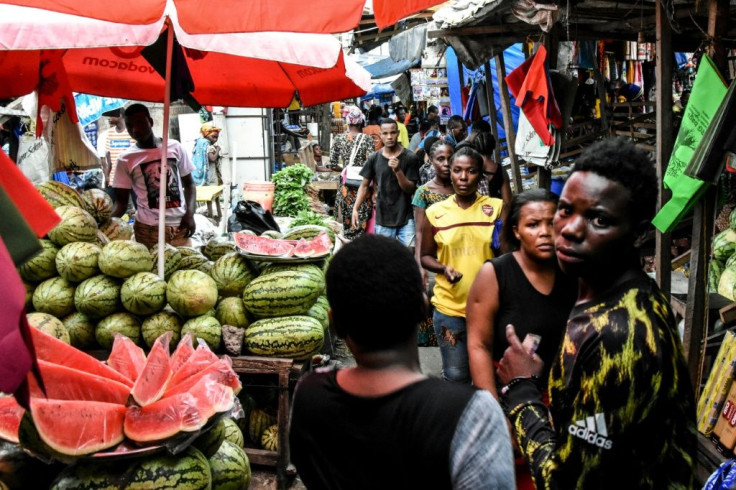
(524,288)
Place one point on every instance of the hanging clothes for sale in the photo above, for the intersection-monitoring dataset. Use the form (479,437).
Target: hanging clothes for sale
(471,112)
(530,84)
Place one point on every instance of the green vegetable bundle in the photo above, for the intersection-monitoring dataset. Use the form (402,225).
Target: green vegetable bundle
(290,198)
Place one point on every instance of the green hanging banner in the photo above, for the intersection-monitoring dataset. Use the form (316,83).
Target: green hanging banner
(708,92)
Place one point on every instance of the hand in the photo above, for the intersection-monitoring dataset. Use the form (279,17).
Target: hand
(516,361)
(187,223)
(393,163)
(355,219)
(452,275)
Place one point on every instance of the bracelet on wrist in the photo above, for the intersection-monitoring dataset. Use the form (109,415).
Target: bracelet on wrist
(516,381)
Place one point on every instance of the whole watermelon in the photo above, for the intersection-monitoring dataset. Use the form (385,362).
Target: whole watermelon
(101,239)
(30,288)
(209,442)
(77,225)
(50,325)
(230,468)
(724,244)
(158,324)
(232,432)
(58,194)
(122,323)
(43,265)
(189,262)
(143,293)
(217,247)
(98,296)
(117,229)
(54,296)
(81,330)
(172,259)
(123,258)
(98,203)
(231,311)
(77,261)
(191,293)
(283,293)
(204,327)
(270,438)
(232,272)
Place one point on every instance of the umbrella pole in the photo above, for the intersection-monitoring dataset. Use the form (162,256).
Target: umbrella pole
(164,150)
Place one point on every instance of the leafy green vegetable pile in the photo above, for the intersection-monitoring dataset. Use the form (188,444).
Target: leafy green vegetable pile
(308,217)
(290,197)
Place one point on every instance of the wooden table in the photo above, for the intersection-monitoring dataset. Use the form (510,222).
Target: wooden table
(208,194)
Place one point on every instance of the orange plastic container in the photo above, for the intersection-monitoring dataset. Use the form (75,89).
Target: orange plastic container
(260,192)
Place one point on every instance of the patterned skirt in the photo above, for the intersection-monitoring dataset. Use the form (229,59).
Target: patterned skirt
(344,208)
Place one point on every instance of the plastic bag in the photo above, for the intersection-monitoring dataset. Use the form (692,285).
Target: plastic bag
(33,158)
(250,215)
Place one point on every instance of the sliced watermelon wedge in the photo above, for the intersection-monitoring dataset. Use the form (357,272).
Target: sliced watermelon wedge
(10,415)
(303,249)
(220,372)
(261,245)
(212,397)
(126,358)
(64,383)
(321,244)
(165,418)
(202,358)
(183,352)
(76,428)
(53,350)
(153,380)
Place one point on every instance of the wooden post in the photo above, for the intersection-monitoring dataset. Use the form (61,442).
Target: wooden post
(696,311)
(508,122)
(492,110)
(665,141)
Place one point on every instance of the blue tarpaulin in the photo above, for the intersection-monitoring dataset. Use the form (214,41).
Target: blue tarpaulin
(512,56)
(378,90)
(388,67)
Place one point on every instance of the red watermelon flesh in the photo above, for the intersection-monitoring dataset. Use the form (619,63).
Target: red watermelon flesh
(126,358)
(10,415)
(212,397)
(165,418)
(53,350)
(183,352)
(321,244)
(261,245)
(64,383)
(202,358)
(303,249)
(153,380)
(220,372)
(75,427)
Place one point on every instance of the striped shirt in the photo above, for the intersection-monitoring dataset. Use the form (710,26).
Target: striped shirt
(116,143)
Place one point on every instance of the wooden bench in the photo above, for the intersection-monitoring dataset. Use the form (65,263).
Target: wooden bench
(208,194)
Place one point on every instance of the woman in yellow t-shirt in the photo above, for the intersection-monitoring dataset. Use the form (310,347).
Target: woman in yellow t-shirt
(456,241)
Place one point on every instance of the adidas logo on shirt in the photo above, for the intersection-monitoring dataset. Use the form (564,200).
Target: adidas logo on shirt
(592,430)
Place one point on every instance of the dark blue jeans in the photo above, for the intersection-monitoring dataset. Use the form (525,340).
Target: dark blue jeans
(453,340)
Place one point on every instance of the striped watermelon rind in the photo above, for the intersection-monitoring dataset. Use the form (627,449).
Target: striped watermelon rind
(204,327)
(143,293)
(232,273)
(172,259)
(98,296)
(77,261)
(230,468)
(217,247)
(191,293)
(43,265)
(81,330)
(259,422)
(308,268)
(319,313)
(189,470)
(123,258)
(158,324)
(122,323)
(117,229)
(231,311)
(49,324)
(209,442)
(270,438)
(191,262)
(98,203)
(77,225)
(297,337)
(283,293)
(308,232)
(58,194)
(54,296)
(232,432)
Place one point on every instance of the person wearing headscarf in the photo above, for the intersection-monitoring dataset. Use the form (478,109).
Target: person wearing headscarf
(351,149)
(374,126)
(206,156)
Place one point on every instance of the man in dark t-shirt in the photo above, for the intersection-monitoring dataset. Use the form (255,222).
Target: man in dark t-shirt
(395,171)
(383,424)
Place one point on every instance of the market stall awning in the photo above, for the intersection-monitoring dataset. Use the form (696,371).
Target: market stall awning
(198,17)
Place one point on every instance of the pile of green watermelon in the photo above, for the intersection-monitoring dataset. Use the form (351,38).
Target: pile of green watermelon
(133,401)
(722,268)
(91,281)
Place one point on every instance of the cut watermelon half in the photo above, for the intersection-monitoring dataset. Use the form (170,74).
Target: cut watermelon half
(261,245)
(220,372)
(126,358)
(76,428)
(10,416)
(50,349)
(183,352)
(321,244)
(165,418)
(153,380)
(64,383)
(202,358)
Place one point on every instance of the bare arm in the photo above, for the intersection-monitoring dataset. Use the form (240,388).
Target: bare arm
(121,202)
(190,195)
(406,185)
(506,196)
(429,255)
(419,218)
(359,198)
(481,309)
